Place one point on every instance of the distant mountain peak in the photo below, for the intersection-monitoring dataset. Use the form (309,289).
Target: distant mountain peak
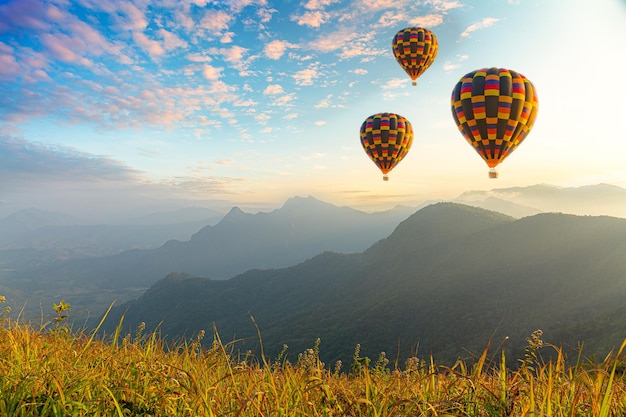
(34,218)
(235,211)
(235,214)
(299,201)
(593,199)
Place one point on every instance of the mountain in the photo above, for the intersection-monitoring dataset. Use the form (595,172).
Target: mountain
(300,229)
(35,238)
(598,199)
(449,279)
(183,215)
(500,205)
(27,220)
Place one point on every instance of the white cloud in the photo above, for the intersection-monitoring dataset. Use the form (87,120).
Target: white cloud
(66,48)
(276,48)
(285,100)
(216,21)
(234,54)
(227,37)
(332,41)
(319,4)
(306,76)
(211,73)
(444,5)
(245,103)
(9,67)
(237,6)
(198,57)
(394,84)
(391,18)
(375,5)
(312,19)
(22,159)
(483,24)
(152,47)
(324,103)
(429,21)
(273,89)
(449,66)
(170,40)
(134,18)
(262,118)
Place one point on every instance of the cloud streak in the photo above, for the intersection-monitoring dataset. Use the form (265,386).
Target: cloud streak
(24,160)
(483,24)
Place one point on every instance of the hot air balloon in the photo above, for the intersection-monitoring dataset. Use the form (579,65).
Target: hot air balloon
(494,108)
(415,50)
(386,138)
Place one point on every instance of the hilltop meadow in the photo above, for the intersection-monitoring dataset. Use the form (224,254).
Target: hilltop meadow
(53,370)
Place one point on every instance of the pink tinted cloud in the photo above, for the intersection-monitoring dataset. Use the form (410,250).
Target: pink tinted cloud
(312,19)
(132,18)
(318,4)
(9,68)
(211,73)
(23,14)
(152,47)
(170,40)
(276,49)
(64,48)
(216,21)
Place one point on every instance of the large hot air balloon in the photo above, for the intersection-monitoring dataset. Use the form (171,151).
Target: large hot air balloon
(386,138)
(494,108)
(415,49)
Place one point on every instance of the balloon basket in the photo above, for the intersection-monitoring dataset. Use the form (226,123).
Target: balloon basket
(414,83)
(493,173)
(385,178)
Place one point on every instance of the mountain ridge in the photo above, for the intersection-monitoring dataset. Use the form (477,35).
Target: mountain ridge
(496,277)
(300,229)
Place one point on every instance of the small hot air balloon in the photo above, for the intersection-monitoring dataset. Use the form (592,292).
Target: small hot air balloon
(494,108)
(415,50)
(386,138)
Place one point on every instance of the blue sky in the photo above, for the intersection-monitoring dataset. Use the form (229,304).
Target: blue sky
(109,105)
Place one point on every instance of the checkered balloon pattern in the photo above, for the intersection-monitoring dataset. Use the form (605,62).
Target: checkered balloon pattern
(386,138)
(494,109)
(415,49)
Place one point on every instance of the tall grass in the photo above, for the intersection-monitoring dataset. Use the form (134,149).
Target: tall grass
(53,371)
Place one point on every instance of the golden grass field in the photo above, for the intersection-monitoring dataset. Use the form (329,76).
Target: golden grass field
(50,370)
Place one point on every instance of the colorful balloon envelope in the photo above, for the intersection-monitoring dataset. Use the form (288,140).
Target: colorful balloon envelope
(415,50)
(494,109)
(386,138)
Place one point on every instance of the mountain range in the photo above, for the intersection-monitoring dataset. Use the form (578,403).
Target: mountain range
(49,256)
(48,233)
(447,281)
(300,229)
(596,200)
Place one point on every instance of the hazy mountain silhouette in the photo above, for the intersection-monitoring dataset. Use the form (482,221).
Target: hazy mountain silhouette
(302,228)
(182,215)
(599,199)
(446,281)
(28,220)
(44,230)
(34,238)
